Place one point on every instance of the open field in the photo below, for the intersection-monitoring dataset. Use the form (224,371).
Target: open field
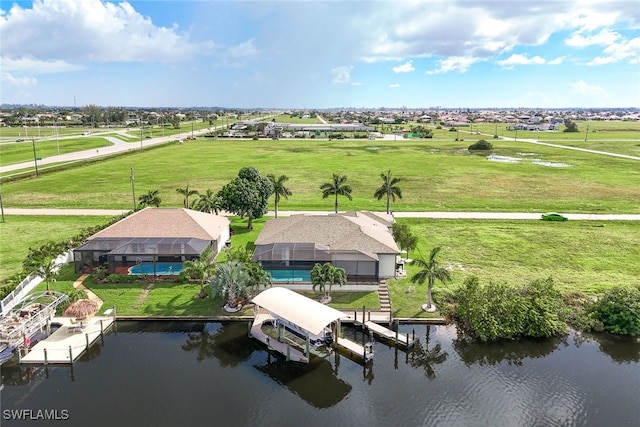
(286,118)
(17,152)
(19,233)
(437,175)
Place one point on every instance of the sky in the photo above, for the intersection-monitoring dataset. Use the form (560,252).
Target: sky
(300,54)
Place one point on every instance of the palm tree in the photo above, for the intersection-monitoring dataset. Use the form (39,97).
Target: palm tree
(326,274)
(150,199)
(279,189)
(209,202)
(45,266)
(186,193)
(338,188)
(430,270)
(388,189)
(230,281)
(199,269)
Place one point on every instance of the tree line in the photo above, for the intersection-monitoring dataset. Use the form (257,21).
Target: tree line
(248,194)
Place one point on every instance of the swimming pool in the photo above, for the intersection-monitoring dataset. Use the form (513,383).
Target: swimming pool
(160,268)
(290,275)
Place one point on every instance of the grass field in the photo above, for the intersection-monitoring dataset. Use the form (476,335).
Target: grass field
(17,152)
(437,175)
(19,233)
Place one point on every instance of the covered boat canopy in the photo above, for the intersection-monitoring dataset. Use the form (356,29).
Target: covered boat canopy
(304,312)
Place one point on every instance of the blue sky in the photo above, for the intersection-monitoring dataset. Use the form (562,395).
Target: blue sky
(326,54)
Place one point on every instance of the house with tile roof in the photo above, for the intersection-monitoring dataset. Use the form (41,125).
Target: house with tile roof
(359,242)
(153,235)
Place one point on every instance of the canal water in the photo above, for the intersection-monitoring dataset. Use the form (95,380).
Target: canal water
(211,374)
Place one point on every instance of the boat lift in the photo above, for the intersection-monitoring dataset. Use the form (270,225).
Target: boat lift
(31,316)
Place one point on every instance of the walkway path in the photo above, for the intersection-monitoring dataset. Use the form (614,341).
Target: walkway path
(78,284)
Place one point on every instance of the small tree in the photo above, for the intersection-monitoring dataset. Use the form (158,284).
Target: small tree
(570,126)
(337,187)
(230,281)
(209,202)
(48,270)
(389,189)
(186,193)
(404,237)
(481,145)
(279,190)
(199,269)
(430,270)
(247,195)
(150,199)
(323,275)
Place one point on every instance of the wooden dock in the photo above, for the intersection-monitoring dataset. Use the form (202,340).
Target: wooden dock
(355,350)
(396,337)
(69,342)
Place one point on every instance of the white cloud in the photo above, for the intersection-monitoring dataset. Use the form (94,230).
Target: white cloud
(90,30)
(243,50)
(584,89)
(518,59)
(407,67)
(604,38)
(394,85)
(454,63)
(341,74)
(557,61)
(18,81)
(626,49)
(34,66)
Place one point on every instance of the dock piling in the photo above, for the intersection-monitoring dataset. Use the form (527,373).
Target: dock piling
(46,359)
(86,336)
(70,355)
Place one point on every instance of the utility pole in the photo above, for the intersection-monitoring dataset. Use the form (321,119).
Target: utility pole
(35,159)
(133,188)
(586,134)
(1,207)
(141,131)
(55,127)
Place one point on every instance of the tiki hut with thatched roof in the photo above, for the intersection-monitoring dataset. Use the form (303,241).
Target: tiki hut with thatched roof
(81,309)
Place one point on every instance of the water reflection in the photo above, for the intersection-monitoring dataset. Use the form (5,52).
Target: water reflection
(228,343)
(621,349)
(316,383)
(426,355)
(512,352)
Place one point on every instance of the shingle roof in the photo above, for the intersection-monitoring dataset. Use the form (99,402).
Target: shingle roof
(167,222)
(350,231)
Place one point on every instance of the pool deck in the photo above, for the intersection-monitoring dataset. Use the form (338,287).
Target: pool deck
(69,342)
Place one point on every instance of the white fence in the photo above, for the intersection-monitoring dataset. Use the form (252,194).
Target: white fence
(30,282)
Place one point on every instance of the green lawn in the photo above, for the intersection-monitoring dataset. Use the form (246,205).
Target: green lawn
(18,152)
(437,175)
(583,257)
(19,233)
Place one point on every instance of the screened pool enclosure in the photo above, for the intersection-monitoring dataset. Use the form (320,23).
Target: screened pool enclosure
(303,256)
(120,254)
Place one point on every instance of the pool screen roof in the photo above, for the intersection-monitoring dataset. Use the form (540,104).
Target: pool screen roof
(304,312)
(147,246)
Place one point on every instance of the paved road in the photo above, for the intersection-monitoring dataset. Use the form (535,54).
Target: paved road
(106,151)
(434,215)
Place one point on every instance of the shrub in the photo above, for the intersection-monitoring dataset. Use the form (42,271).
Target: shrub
(121,278)
(481,145)
(617,311)
(498,310)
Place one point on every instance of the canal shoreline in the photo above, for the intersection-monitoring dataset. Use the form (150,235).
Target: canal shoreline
(189,318)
